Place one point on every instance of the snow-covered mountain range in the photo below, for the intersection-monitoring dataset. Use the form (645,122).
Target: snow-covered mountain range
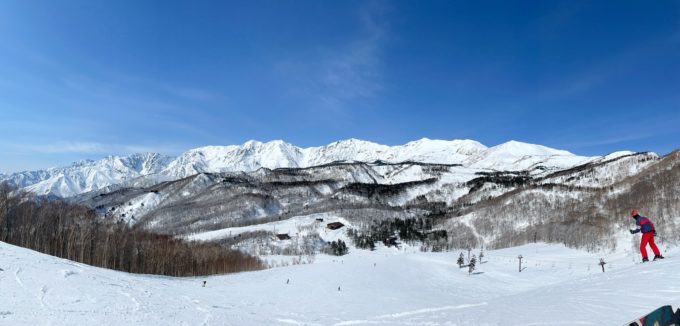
(253,155)
(91,175)
(88,175)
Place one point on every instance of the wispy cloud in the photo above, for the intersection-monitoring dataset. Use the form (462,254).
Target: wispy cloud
(336,76)
(134,91)
(179,91)
(649,128)
(163,105)
(611,140)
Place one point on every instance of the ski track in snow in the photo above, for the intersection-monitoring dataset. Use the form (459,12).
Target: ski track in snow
(18,279)
(207,316)
(381,319)
(132,299)
(41,296)
(429,310)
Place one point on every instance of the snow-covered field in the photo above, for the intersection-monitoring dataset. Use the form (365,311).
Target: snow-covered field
(388,286)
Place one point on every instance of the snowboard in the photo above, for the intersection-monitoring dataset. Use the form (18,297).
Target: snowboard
(664,316)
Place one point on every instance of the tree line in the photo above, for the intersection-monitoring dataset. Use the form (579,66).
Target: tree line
(413,230)
(75,232)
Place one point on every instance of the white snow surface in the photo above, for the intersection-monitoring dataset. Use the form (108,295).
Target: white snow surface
(289,226)
(278,154)
(388,286)
(608,170)
(87,176)
(616,155)
(516,156)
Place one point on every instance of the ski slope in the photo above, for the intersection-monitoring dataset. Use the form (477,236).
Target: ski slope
(388,286)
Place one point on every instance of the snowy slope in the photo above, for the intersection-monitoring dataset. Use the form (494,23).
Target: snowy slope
(605,171)
(423,150)
(88,175)
(518,156)
(277,154)
(250,156)
(387,287)
(290,226)
(510,156)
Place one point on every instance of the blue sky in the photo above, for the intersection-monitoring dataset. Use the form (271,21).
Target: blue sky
(83,79)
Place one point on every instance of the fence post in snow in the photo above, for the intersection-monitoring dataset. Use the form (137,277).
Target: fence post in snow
(520,262)
(602,264)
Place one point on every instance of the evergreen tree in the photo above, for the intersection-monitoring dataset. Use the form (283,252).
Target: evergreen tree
(342,248)
(461,260)
(337,248)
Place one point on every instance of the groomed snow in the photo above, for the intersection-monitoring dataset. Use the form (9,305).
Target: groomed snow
(559,286)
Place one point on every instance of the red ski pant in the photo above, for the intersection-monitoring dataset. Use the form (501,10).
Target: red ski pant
(648,238)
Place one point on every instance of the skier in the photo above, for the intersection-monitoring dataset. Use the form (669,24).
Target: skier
(645,226)
(471,265)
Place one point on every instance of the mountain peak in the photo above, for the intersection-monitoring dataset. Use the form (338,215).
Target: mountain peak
(518,155)
(354,142)
(522,148)
(252,143)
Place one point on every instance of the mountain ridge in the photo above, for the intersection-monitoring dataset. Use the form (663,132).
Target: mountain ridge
(87,175)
